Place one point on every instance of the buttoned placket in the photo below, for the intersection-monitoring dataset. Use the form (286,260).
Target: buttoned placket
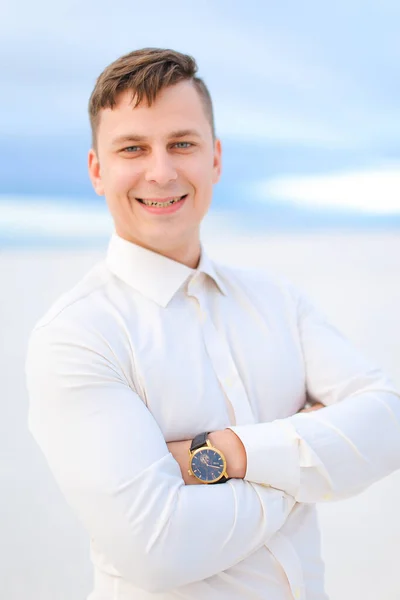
(220,354)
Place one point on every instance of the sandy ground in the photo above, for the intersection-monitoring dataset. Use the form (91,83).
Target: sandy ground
(355,278)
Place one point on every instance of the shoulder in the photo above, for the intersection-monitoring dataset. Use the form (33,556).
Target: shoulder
(79,333)
(83,308)
(77,342)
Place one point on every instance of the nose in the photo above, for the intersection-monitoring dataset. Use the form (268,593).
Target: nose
(160,168)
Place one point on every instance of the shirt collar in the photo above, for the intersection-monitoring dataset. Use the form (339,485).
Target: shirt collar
(154,275)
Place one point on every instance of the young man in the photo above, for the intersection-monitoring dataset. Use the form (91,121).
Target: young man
(162,369)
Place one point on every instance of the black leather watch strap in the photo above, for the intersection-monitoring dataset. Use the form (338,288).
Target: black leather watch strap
(222,480)
(199,441)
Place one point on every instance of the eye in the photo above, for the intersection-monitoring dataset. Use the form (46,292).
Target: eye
(183,145)
(131,149)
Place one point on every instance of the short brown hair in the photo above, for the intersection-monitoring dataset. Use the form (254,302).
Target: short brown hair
(145,72)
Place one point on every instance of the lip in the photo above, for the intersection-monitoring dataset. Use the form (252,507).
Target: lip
(158,210)
(162,199)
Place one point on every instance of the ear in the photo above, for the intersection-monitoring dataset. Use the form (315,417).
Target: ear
(95,172)
(217,165)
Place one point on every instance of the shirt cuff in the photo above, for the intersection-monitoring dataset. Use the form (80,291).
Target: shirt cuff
(272,454)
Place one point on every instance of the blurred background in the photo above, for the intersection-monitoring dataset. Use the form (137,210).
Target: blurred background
(306,99)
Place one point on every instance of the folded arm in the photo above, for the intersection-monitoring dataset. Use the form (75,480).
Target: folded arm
(340,450)
(111,462)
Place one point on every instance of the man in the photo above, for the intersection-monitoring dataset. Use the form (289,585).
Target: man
(162,369)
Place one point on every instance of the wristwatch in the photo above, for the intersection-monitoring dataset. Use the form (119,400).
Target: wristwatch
(206,462)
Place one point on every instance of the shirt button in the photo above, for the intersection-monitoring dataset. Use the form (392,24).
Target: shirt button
(229,381)
(297,593)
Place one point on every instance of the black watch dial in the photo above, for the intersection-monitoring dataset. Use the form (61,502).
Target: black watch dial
(207,465)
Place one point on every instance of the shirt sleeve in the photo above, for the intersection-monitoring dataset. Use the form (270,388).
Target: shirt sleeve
(337,451)
(112,464)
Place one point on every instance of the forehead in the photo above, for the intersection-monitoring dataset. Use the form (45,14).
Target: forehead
(176,107)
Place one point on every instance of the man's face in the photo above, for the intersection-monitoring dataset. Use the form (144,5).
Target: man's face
(157,153)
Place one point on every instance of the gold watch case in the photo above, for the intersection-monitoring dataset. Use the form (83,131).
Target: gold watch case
(192,454)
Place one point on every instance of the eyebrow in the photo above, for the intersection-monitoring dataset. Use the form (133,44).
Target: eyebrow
(134,137)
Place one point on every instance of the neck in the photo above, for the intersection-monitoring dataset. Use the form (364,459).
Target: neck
(187,254)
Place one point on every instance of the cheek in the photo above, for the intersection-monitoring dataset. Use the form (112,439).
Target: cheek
(200,175)
(120,175)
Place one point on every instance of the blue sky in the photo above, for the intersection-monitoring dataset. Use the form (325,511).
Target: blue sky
(305,94)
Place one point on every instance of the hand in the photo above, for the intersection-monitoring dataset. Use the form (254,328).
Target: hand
(315,406)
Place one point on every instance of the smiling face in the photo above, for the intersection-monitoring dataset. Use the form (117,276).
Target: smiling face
(158,153)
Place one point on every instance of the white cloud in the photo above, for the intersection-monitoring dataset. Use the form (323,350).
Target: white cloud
(375,191)
(19,217)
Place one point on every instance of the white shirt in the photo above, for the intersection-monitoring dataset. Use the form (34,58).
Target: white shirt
(143,351)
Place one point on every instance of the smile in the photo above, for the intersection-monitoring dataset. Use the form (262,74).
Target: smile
(161,203)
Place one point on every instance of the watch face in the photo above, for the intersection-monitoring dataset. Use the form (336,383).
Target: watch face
(207,464)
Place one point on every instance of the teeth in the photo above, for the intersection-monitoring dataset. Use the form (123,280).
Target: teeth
(161,204)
